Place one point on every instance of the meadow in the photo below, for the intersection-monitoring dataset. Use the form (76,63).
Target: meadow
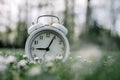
(89,64)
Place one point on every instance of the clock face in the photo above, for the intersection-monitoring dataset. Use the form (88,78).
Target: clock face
(47,45)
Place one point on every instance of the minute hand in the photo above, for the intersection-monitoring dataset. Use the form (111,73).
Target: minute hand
(51,42)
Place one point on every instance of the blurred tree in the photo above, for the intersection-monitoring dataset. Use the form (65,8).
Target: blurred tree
(69,19)
(1,44)
(96,34)
(86,32)
(113,16)
(5,37)
(26,12)
(8,31)
(102,37)
(88,16)
(21,34)
(21,30)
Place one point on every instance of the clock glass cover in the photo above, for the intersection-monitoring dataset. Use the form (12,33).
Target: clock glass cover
(47,45)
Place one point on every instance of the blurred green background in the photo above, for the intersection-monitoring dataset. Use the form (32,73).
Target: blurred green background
(94,33)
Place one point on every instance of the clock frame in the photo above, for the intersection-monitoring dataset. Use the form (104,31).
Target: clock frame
(52,29)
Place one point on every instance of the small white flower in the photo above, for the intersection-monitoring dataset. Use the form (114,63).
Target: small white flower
(79,57)
(49,64)
(11,59)
(3,68)
(59,57)
(32,62)
(36,58)
(36,70)
(2,60)
(22,63)
(3,65)
(24,57)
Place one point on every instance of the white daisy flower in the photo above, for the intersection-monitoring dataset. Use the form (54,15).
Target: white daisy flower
(3,65)
(36,70)
(24,57)
(32,62)
(11,59)
(36,58)
(22,63)
(59,57)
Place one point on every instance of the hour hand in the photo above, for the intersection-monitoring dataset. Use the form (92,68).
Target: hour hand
(40,48)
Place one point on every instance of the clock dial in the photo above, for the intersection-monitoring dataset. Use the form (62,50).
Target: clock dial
(47,45)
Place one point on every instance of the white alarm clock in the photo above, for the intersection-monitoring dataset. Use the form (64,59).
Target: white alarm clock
(47,42)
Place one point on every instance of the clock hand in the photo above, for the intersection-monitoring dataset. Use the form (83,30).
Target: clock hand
(47,49)
(41,48)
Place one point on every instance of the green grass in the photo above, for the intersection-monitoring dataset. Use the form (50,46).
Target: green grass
(72,69)
(109,69)
(11,51)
